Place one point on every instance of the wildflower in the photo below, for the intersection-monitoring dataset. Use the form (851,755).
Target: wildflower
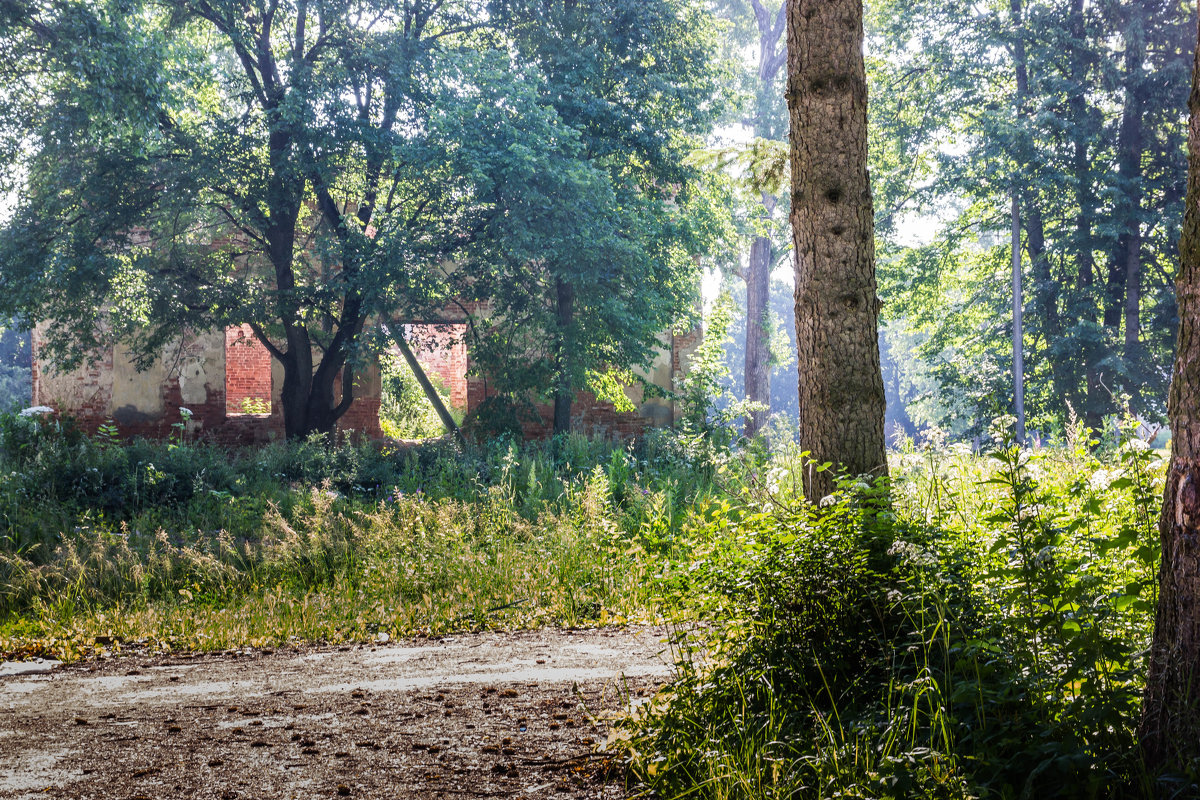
(36,411)
(1100,479)
(186,413)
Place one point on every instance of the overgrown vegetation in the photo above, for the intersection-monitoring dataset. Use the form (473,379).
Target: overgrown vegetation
(404,411)
(186,546)
(983,636)
(984,639)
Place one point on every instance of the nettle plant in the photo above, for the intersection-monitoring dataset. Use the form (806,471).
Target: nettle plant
(1053,649)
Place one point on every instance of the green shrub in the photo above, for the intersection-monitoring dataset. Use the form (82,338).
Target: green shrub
(985,640)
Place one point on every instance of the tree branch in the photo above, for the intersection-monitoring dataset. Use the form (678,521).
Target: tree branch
(257,330)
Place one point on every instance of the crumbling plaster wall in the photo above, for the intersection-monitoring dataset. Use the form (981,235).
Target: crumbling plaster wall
(190,374)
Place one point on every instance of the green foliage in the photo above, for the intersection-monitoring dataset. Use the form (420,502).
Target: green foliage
(1090,136)
(596,256)
(256,405)
(304,172)
(404,410)
(986,639)
(976,629)
(709,414)
(781,328)
(194,547)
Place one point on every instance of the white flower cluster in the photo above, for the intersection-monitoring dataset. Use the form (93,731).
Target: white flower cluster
(1101,478)
(36,411)
(912,553)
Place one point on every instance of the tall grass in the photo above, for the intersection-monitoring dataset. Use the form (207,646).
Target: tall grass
(185,545)
(975,628)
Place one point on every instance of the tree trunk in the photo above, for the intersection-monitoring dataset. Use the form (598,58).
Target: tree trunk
(758,369)
(1133,306)
(564,393)
(842,399)
(1084,308)
(427,387)
(1127,258)
(1170,724)
(1045,290)
(758,272)
(1018,331)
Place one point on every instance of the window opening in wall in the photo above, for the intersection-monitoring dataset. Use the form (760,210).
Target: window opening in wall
(247,374)
(405,412)
(16,366)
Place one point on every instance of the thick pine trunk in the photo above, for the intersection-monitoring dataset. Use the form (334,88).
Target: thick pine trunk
(837,308)
(758,369)
(1170,725)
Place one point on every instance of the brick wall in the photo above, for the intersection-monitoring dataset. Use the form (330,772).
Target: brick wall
(590,416)
(247,370)
(442,350)
(233,366)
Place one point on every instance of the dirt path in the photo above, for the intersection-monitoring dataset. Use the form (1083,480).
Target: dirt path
(486,715)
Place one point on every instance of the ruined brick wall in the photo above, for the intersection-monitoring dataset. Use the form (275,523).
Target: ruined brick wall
(362,418)
(211,373)
(107,388)
(247,371)
(598,418)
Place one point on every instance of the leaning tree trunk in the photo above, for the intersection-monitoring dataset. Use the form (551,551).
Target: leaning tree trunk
(1170,724)
(837,308)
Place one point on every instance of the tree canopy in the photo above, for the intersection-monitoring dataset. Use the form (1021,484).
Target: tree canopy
(305,167)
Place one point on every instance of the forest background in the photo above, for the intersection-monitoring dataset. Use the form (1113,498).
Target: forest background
(1088,132)
(1078,110)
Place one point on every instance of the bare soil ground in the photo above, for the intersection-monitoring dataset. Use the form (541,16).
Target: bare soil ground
(481,715)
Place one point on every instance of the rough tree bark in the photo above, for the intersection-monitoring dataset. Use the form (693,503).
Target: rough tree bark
(1170,724)
(837,307)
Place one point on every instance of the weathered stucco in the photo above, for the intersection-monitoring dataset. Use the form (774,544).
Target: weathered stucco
(136,397)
